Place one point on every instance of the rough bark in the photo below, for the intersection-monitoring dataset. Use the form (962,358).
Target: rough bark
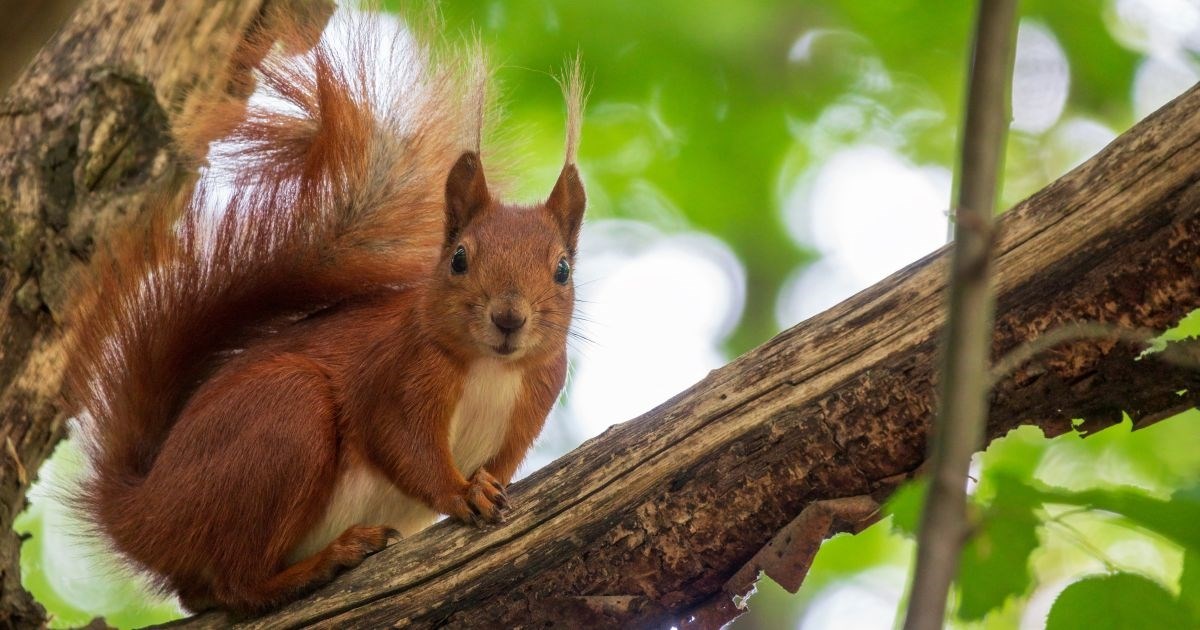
(660,519)
(84,136)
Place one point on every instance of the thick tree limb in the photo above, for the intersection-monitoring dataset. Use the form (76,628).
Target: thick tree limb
(84,136)
(646,524)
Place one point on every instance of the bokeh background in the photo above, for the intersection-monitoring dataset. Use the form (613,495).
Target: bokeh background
(749,164)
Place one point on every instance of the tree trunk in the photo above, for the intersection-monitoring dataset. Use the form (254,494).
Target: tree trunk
(664,518)
(84,136)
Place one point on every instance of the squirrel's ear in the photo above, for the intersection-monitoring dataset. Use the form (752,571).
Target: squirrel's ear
(466,193)
(567,202)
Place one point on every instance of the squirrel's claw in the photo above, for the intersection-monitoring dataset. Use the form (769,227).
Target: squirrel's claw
(483,501)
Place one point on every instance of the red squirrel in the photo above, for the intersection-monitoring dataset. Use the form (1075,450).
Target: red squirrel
(364,338)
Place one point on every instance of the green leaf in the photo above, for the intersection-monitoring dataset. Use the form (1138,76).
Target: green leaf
(1189,583)
(905,505)
(1175,519)
(995,561)
(1017,454)
(1187,328)
(1116,602)
(995,565)
(845,554)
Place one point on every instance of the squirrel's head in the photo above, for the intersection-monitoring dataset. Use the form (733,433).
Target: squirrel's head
(504,284)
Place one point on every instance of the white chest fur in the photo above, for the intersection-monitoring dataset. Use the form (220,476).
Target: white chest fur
(481,419)
(477,429)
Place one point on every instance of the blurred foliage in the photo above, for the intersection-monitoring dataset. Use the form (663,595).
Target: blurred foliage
(697,117)
(702,116)
(67,570)
(1014,512)
(1117,602)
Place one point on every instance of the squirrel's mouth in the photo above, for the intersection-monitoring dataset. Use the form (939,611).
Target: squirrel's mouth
(504,349)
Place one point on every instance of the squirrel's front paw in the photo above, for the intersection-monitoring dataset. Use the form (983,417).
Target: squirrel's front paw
(484,500)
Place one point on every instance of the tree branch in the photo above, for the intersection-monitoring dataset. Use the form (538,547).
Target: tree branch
(648,523)
(962,401)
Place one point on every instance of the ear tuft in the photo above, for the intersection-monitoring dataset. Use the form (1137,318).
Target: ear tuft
(466,194)
(566,204)
(574,95)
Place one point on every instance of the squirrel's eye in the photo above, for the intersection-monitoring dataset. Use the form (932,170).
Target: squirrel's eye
(458,262)
(563,273)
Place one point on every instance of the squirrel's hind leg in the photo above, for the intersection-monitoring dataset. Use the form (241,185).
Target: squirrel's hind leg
(244,474)
(345,552)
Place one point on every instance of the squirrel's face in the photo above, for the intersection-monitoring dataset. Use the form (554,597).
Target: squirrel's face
(504,285)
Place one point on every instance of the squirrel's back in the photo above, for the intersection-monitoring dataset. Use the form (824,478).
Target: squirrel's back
(338,192)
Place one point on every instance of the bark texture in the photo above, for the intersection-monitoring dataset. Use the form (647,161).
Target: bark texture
(662,519)
(84,137)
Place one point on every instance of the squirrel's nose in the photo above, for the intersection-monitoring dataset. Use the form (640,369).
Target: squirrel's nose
(509,321)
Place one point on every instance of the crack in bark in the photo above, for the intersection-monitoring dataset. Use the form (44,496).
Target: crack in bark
(843,451)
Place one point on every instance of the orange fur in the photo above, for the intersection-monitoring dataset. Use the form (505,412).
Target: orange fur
(237,377)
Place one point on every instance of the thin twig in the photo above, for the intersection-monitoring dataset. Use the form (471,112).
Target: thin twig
(1074,331)
(1072,534)
(965,380)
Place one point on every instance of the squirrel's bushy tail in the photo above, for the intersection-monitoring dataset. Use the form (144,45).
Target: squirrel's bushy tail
(328,184)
